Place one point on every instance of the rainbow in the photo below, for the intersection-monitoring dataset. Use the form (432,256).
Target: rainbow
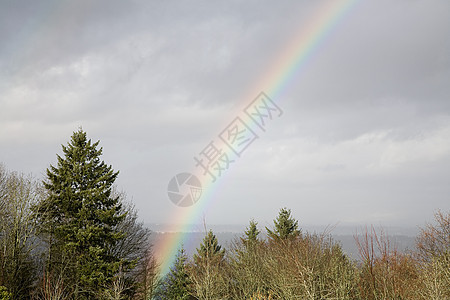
(279,77)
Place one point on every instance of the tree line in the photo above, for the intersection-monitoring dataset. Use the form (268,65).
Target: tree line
(291,264)
(74,236)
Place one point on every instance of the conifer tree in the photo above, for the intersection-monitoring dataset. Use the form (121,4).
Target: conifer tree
(177,284)
(207,272)
(284,226)
(252,232)
(209,249)
(80,216)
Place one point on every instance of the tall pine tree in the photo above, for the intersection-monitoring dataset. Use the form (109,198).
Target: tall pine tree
(285,226)
(209,249)
(207,271)
(177,284)
(80,216)
(251,234)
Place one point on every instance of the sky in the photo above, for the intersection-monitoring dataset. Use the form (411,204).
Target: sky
(364,137)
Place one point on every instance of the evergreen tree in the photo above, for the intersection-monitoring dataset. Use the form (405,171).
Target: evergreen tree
(177,284)
(252,232)
(207,272)
(209,249)
(80,216)
(284,226)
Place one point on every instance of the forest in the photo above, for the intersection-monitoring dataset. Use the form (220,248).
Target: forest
(74,235)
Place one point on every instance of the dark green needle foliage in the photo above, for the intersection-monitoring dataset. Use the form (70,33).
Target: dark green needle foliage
(209,249)
(252,232)
(80,215)
(285,226)
(177,284)
(207,272)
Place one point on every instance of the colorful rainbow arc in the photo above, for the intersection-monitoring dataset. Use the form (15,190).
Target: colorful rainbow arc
(284,70)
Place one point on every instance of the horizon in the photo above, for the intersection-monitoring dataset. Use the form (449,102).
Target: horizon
(346,229)
(361,133)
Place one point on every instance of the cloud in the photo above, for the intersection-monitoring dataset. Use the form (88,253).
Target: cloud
(156,81)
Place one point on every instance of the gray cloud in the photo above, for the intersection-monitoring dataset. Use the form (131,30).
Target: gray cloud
(364,137)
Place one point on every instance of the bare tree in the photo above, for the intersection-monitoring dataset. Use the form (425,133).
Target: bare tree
(148,279)
(433,251)
(135,248)
(385,272)
(434,240)
(18,193)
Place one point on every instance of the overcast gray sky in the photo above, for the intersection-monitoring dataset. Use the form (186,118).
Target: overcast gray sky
(365,133)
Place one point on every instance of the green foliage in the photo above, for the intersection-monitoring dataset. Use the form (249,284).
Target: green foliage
(284,226)
(252,232)
(209,249)
(70,237)
(4,294)
(178,284)
(208,271)
(80,216)
(98,250)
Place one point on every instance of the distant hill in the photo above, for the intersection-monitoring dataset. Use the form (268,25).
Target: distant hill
(402,238)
